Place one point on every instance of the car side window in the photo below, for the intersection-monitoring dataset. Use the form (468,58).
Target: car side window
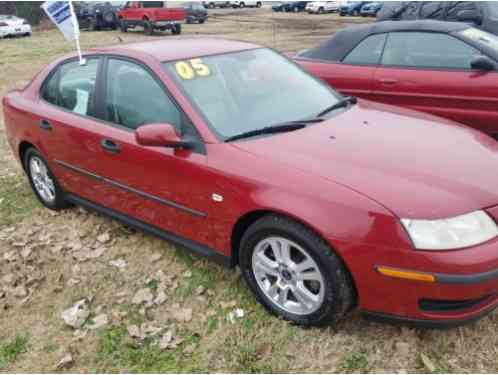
(427,50)
(135,98)
(367,52)
(73,87)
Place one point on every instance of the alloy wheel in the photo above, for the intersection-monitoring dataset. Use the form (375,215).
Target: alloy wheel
(42,182)
(288,275)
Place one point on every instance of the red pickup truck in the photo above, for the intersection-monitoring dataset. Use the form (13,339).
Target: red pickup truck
(151,15)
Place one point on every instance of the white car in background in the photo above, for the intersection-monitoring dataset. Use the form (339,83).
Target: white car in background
(14,26)
(242,4)
(319,7)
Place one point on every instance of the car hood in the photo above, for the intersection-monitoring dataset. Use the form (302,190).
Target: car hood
(415,165)
(12,21)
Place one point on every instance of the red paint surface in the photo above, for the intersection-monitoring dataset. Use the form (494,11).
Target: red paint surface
(467,97)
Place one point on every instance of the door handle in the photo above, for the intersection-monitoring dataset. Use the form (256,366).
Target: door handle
(110,146)
(388,81)
(45,125)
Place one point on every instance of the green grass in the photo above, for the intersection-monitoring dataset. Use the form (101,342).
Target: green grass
(17,199)
(354,362)
(11,349)
(117,351)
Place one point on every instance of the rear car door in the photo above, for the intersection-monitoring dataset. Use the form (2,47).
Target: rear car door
(431,72)
(354,74)
(68,116)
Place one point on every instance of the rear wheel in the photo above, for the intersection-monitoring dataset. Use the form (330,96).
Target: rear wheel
(148,28)
(177,29)
(293,273)
(43,182)
(123,26)
(320,10)
(258,4)
(202,20)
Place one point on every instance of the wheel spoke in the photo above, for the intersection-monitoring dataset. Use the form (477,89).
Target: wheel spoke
(273,291)
(283,296)
(304,265)
(309,275)
(304,296)
(265,265)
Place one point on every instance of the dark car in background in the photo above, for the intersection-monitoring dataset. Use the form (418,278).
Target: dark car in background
(371,9)
(482,14)
(195,12)
(99,15)
(290,6)
(352,8)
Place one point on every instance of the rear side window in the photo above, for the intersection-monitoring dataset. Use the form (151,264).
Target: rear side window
(367,52)
(427,50)
(72,87)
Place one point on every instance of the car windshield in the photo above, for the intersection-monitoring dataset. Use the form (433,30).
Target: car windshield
(481,37)
(248,90)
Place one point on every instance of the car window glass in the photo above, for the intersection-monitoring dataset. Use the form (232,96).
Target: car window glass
(50,91)
(135,98)
(367,52)
(76,88)
(247,90)
(427,50)
(152,4)
(481,37)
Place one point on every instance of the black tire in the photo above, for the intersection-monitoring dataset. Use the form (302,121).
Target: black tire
(339,295)
(202,20)
(93,25)
(356,13)
(258,4)
(320,10)
(242,4)
(148,28)
(176,29)
(188,20)
(59,203)
(123,25)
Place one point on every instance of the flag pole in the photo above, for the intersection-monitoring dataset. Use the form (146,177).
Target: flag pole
(76,32)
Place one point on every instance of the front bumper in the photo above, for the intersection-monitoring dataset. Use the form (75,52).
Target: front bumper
(465,285)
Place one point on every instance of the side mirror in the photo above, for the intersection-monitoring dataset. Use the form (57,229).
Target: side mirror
(482,63)
(469,16)
(159,135)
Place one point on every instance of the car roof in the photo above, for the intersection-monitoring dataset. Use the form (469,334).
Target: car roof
(179,49)
(343,41)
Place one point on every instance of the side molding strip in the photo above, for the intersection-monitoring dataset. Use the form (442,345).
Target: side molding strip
(132,190)
(194,247)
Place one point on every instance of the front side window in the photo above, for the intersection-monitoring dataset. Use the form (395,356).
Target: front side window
(427,50)
(367,52)
(73,87)
(244,91)
(135,98)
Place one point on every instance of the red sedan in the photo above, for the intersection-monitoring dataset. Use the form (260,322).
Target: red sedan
(447,69)
(230,150)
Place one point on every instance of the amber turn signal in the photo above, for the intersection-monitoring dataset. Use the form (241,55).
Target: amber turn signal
(404,274)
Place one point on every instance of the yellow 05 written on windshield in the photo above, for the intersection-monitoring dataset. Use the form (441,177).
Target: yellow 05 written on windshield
(191,69)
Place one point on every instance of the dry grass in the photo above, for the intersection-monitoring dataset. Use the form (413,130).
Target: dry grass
(33,337)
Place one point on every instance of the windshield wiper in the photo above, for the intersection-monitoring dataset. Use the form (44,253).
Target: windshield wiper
(340,104)
(279,128)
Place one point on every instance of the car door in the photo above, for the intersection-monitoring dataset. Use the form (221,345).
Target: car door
(354,74)
(164,187)
(68,116)
(431,72)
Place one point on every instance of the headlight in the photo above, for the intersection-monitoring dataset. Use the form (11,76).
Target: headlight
(453,233)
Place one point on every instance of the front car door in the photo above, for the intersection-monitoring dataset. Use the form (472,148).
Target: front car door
(164,187)
(431,72)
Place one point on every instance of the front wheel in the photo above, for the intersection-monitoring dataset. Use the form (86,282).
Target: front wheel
(43,182)
(293,273)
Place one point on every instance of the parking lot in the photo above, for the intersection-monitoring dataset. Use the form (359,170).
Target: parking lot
(49,261)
